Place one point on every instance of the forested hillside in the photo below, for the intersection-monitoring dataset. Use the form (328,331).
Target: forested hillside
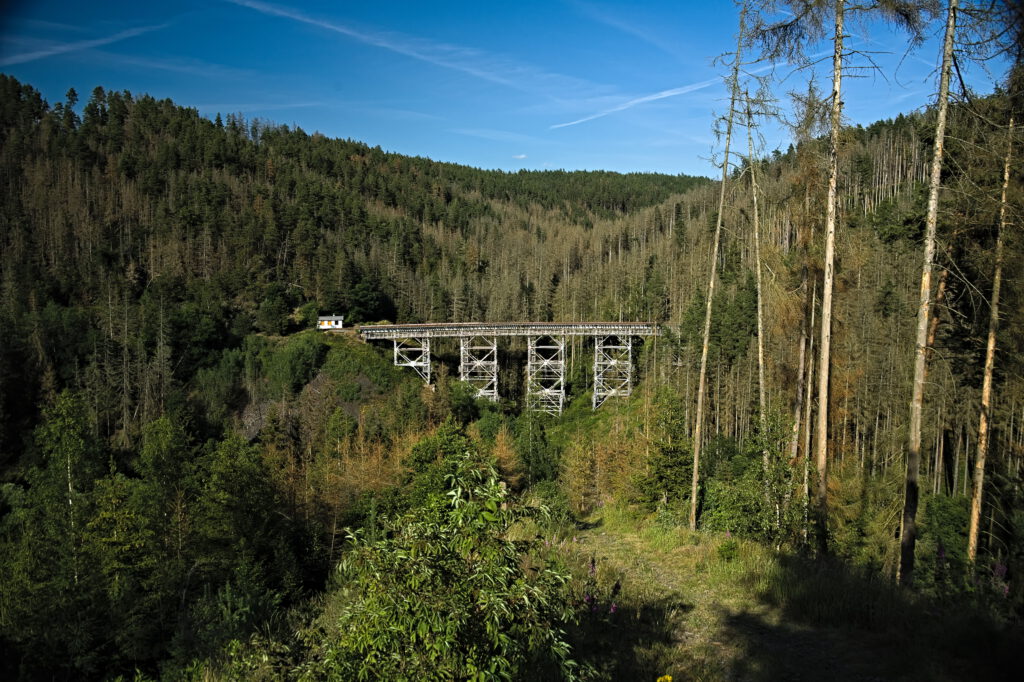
(185,462)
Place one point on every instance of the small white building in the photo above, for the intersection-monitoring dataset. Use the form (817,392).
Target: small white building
(328,322)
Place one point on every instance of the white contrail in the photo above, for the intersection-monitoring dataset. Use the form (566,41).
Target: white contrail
(61,48)
(641,100)
(673,92)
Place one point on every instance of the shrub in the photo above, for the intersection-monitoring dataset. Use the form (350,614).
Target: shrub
(445,595)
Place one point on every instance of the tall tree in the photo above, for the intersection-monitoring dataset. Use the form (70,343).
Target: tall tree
(761,397)
(787,39)
(908,536)
(990,357)
(825,347)
(698,424)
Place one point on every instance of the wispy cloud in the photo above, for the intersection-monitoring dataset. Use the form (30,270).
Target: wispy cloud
(598,14)
(62,48)
(470,61)
(519,156)
(673,92)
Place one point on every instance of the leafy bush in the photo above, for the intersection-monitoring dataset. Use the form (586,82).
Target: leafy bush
(445,595)
(750,491)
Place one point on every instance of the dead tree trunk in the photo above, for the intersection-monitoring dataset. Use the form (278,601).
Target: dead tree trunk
(908,535)
(990,359)
(761,399)
(825,347)
(702,382)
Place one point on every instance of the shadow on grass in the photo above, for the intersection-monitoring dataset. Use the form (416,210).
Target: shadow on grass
(829,622)
(633,642)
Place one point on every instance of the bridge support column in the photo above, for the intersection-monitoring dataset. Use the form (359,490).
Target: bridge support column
(415,353)
(613,367)
(478,364)
(545,373)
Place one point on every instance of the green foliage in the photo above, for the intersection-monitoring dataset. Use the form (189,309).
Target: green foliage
(433,460)
(292,366)
(50,587)
(941,551)
(733,321)
(899,218)
(666,485)
(490,422)
(744,496)
(350,361)
(728,550)
(538,459)
(367,303)
(219,388)
(275,369)
(445,596)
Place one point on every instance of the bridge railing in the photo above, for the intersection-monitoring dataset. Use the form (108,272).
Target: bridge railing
(384,332)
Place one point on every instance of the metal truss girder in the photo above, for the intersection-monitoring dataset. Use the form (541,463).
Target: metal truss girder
(613,367)
(415,353)
(552,329)
(545,373)
(478,364)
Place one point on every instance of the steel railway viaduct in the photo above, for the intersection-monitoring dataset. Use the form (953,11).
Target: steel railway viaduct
(545,354)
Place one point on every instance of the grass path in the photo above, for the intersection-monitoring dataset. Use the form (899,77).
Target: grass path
(687,611)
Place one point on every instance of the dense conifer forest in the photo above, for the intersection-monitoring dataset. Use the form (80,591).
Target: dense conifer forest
(196,484)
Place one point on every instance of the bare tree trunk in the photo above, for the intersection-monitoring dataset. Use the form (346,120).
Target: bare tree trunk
(825,348)
(803,365)
(990,358)
(761,399)
(908,535)
(702,382)
(807,416)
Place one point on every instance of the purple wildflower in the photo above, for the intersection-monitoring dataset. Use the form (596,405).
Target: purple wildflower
(999,570)
(728,534)
(613,608)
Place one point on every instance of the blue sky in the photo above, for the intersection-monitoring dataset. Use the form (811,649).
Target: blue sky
(574,84)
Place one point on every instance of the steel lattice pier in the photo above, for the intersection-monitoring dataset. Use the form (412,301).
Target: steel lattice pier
(613,367)
(478,364)
(545,374)
(545,361)
(415,353)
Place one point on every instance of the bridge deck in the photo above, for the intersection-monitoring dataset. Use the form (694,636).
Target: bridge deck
(461,329)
